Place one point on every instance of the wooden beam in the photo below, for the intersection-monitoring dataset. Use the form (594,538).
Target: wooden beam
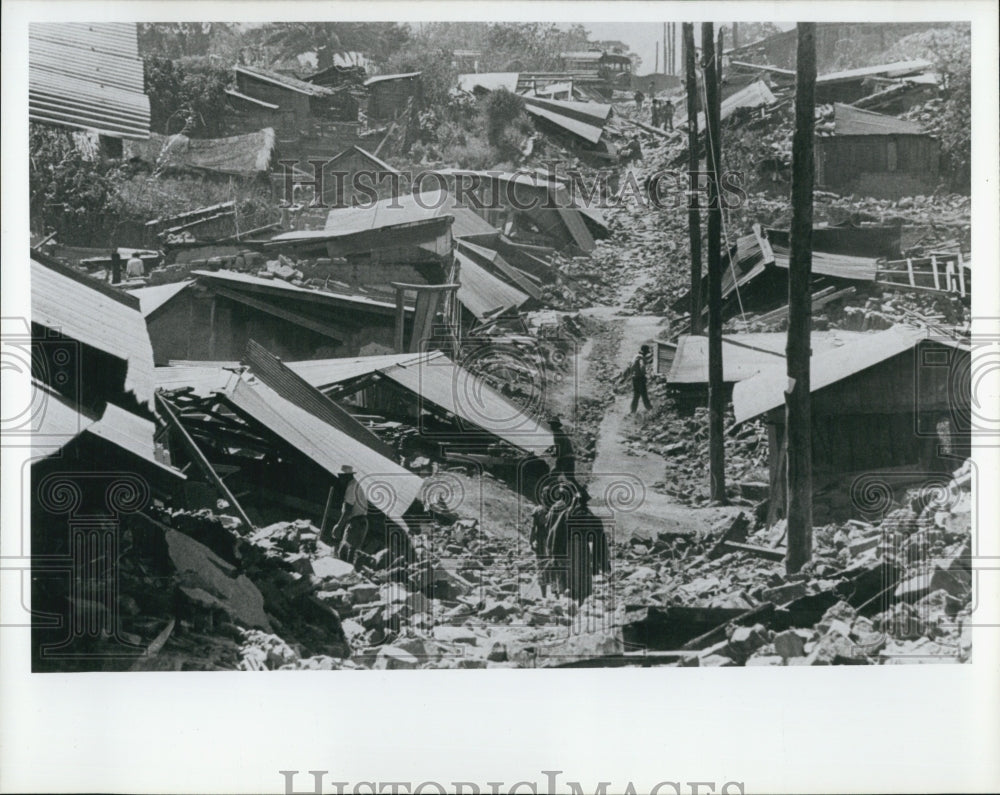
(199,458)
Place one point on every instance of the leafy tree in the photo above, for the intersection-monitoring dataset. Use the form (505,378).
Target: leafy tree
(186,95)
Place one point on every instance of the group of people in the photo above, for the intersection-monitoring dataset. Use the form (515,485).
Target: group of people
(134,268)
(663,110)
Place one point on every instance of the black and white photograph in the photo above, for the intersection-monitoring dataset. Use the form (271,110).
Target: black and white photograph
(451,345)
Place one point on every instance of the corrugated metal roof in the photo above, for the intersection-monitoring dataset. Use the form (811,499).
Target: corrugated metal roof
(491,81)
(437,379)
(281,286)
(482,293)
(87,75)
(203,379)
(382,78)
(895,69)
(766,390)
(839,266)
(584,119)
(743,355)
(285,81)
(152,298)
(89,315)
(132,434)
(848,120)
(56,422)
(752,96)
(380,164)
(388,486)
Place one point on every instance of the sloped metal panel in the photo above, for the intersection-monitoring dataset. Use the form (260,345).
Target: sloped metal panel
(87,76)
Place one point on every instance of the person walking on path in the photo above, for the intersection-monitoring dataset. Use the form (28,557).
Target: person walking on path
(637,370)
(352,529)
(667,115)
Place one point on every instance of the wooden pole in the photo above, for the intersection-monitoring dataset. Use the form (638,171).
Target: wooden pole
(656,69)
(665,48)
(694,215)
(797,351)
(716,392)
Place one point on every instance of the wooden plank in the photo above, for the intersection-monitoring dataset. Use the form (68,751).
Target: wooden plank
(760,613)
(961,274)
(761,552)
(203,463)
(909,271)
(934,267)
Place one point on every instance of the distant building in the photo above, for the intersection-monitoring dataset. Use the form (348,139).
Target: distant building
(269,99)
(388,95)
(876,155)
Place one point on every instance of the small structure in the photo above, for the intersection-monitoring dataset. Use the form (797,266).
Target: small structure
(895,402)
(276,100)
(349,178)
(583,120)
(295,322)
(388,95)
(876,155)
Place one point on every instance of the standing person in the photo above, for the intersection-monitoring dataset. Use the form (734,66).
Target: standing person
(656,113)
(134,269)
(637,369)
(565,456)
(639,97)
(351,531)
(667,115)
(116,267)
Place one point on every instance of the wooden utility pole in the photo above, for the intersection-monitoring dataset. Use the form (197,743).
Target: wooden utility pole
(797,411)
(716,393)
(665,49)
(694,215)
(656,69)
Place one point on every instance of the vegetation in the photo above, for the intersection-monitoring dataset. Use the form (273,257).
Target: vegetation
(186,96)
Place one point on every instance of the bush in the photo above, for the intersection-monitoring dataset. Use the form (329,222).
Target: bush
(187,95)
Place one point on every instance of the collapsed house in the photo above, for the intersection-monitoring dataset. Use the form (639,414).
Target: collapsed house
(269,99)
(354,176)
(876,155)
(295,322)
(888,406)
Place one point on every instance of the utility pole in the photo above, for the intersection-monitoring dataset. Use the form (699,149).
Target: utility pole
(716,395)
(694,215)
(665,48)
(656,69)
(797,399)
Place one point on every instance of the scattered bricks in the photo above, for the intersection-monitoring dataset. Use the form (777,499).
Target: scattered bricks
(841,611)
(391,658)
(783,594)
(364,593)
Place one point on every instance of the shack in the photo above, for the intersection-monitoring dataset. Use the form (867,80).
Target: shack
(872,154)
(294,322)
(353,177)
(270,99)
(388,95)
(891,406)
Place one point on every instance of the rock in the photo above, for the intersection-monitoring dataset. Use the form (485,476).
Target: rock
(352,630)
(789,644)
(331,568)
(746,640)
(390,658)
(456,635)
(957,583)
(841,611)
(364,593)
(497,652)
(784,593)
(495,611)
(715,661)
(835,649)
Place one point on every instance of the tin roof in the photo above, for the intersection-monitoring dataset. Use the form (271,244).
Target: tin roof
(284,81)
(583,119)
(848,120)
(131,433)
(87,75)
(152,298)
(101,318)
(482,293)
(766,390)
(895,69)
(383,78)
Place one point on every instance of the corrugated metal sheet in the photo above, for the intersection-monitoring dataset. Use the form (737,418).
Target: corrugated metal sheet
(584,119)
(382,78)
(132,434)
(839,266)
(437,379)
(285,81)
(203,379)
(743,355)
(91,316)
(380,165)
(895,69)
(752,96)
(482,293)
(56,422)
(490,81)
(152,298)
(389,487)
(766,390)
(87,76)
(280,286)
(515,276)
(848,120)
(231,92)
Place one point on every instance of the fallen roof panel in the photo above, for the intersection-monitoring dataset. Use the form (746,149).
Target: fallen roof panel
(132,434)
(279,285)
(583,119)
(285,81)
(482,293)
(102,320)
(849,120)
(232,92)
(437,379)
(839,266)
(390,488)
(895,69)
(383,78)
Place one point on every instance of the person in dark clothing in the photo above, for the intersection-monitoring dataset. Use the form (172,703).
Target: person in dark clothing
(565,456)
(116,267)
(656,113)
(637,369)
(667,115)
(639,97)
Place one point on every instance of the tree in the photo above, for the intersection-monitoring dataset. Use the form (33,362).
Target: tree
(186,95)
